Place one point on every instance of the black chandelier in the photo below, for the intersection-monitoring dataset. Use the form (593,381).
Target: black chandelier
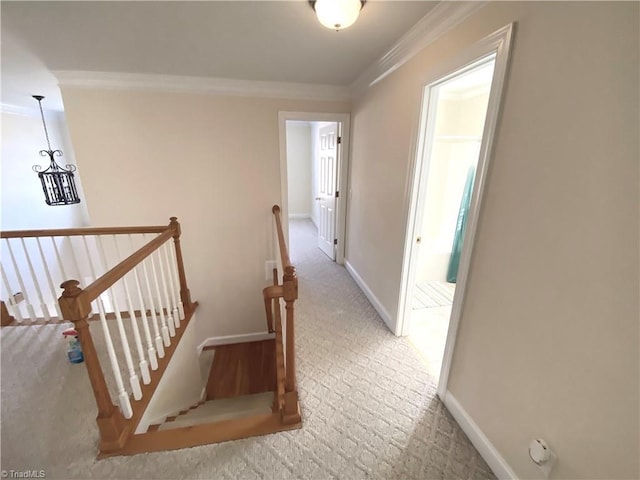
(57,182)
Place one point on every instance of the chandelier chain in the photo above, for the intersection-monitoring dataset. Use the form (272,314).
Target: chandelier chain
(46,132)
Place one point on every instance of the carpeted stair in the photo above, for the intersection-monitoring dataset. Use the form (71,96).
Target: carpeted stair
(218,410)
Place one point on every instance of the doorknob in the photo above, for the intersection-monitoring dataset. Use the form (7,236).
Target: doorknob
(318,198)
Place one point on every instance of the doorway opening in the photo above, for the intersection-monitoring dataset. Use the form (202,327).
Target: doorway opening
(453,135)
(314,173)
(449,131)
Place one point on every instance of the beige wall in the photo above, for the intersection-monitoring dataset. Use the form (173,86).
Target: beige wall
(548,340)
(212,161)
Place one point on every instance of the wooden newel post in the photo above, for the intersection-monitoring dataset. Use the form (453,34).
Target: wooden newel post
(110,421)
(291,413)
(290,294)
(185,295)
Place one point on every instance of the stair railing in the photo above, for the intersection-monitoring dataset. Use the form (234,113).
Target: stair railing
(274,297)
(34,263)
(139,290)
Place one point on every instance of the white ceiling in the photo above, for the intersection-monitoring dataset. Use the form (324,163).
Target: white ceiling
(277,41)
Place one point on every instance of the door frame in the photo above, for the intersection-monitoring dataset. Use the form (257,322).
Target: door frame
(342,172)
(498,43)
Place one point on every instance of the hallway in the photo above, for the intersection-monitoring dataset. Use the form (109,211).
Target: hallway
(365,392)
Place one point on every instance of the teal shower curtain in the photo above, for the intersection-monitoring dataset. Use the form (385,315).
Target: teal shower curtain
(461,226)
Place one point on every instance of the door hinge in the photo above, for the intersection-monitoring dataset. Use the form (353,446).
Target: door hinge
(335,241)
(339,140)
(337,194)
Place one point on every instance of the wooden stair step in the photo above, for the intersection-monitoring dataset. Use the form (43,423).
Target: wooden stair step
(242,369)
(223,409)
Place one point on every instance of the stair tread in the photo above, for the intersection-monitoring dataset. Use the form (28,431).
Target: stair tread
(223,409)
(242,369)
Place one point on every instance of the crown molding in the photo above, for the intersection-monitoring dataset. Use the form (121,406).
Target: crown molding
(439,20)
(204,85)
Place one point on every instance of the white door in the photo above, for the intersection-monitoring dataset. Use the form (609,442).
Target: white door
(328,152)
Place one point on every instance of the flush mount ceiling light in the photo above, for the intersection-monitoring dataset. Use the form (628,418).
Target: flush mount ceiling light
(337,14)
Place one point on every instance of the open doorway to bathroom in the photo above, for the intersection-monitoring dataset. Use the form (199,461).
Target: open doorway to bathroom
(452,136)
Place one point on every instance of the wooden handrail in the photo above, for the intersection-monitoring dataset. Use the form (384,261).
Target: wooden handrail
(96,289)
(284,254)
(74,232)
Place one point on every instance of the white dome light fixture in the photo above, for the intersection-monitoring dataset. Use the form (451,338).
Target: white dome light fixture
(337,14)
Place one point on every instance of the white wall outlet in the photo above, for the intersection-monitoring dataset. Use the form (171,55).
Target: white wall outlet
(542,456)
(269,265)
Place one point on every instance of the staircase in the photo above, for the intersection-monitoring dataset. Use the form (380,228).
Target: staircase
(154,396)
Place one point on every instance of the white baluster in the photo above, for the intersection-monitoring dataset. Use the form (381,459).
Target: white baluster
(49,279)
(123,398)
(60,264)
(36,283)
(92,269)
(133,378)
(169,294)
(11,302)
(172,286)
(175,322)
(176,277)
(94,276)
(154,318)
(32,313)
(151,351)
(142,361)
(59,259)
(163,320)
(75,261)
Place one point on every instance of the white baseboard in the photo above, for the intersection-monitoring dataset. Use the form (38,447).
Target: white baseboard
(227,339)
(486,449)
(299,215)
(370,295)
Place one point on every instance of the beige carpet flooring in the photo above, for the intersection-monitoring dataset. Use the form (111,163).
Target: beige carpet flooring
(369,407)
